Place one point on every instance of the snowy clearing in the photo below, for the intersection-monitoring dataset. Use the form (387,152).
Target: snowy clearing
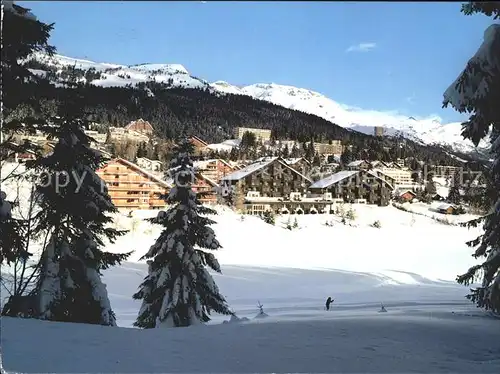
(429,326)
(414,338)
(438,331)
(409,265)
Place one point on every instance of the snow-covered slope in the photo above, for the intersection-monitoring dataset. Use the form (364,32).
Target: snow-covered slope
(113,75)
(429,130)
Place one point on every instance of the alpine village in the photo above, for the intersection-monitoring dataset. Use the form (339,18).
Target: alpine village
(77,157)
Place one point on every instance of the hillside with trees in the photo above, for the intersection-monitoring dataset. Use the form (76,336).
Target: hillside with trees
(213,118)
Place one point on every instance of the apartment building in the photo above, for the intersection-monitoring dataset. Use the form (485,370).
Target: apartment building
(355,185)
(335,148)
(150,165)
(270,177)
(261,135)
(378,131)
(214,169)
(401,177)
(132,187)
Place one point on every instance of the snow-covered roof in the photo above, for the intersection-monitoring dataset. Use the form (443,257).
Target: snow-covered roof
(402,192)
(442,191)
(148,160)
(377,162)
(341,175)
(355,163)
(252,168)
(261,163)
(334,178)
(204,163)
(226,145)
(291,161)
(446,206)
(194,137)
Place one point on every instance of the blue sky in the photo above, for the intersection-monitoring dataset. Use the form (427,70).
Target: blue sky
(383,56)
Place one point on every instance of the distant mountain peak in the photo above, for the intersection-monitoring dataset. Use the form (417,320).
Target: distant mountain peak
(428,130)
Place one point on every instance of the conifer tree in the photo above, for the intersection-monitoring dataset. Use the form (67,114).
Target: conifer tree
(316,160)
(74,204)
(477,92)
(347,156)
(430,187)
(295,152)
(454,195)
(178,290)
(22,35)
(285,153)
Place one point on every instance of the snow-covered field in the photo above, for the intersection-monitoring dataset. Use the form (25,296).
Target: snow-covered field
(405,242)
(409,265)
(438,331)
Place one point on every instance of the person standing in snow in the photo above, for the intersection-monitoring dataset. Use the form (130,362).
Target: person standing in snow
(328,302)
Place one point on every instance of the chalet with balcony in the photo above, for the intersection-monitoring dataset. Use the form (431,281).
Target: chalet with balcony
(140,126)
(355,186)
(359,165)
(206,189)
(200,145)
(132,187)
(406,195)
(270,177)
(214,169)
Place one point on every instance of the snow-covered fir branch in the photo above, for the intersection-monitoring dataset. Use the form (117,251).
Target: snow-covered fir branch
(477,91)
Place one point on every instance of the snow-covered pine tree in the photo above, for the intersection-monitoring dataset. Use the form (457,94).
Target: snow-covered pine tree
(22,35)
(477,91)
(178,290)
(74,205)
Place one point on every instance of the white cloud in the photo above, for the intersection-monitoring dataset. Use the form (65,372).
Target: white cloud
(411,99)
(362,47)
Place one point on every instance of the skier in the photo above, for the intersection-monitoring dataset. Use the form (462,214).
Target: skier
(328,302)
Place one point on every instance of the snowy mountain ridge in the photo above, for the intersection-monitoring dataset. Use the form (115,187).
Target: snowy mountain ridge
(427,131)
